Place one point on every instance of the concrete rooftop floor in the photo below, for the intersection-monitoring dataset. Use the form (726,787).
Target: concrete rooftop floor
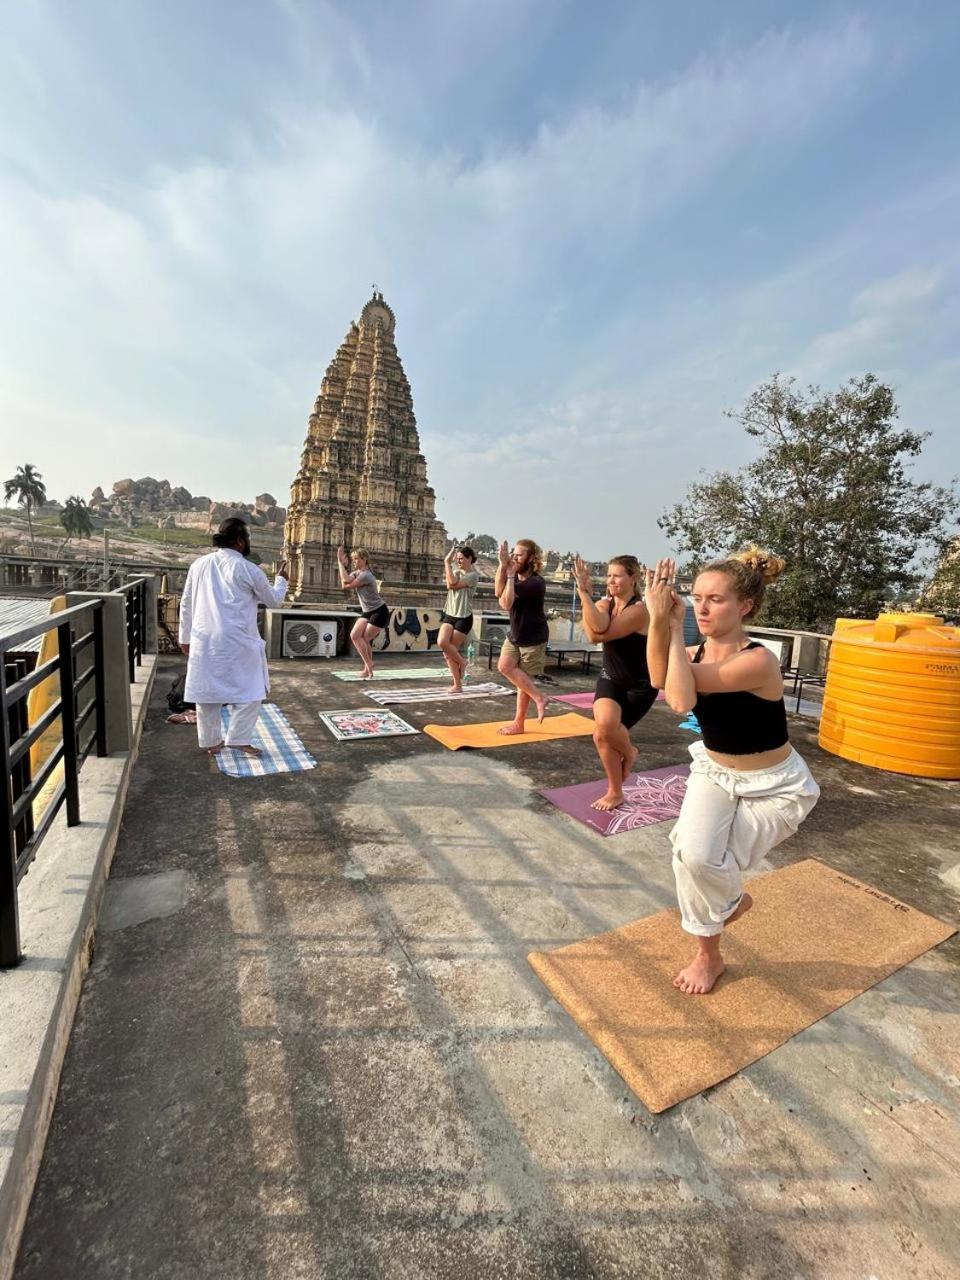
(310,1044)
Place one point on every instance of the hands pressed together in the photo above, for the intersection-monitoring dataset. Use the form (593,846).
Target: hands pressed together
(660,594)
(582,573)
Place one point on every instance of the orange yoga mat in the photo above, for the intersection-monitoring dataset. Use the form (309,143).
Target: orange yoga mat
(814,939)
(456,736)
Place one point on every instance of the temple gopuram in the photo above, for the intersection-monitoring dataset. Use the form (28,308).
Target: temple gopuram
(363,480)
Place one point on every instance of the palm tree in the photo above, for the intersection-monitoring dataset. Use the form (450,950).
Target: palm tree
(30,491)
(75,518)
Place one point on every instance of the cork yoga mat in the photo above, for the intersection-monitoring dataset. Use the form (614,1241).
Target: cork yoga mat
(456,736)
(814,940)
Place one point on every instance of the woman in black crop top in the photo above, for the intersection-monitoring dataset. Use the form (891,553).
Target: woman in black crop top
(748,789)
(624,693)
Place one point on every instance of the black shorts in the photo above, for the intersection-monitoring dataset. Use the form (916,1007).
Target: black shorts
(463,625)
(634,703)
(378,617)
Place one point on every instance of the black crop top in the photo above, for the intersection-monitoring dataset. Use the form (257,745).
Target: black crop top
(740,723)
(625,660)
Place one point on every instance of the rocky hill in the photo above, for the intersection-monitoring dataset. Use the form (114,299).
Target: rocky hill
(167,506)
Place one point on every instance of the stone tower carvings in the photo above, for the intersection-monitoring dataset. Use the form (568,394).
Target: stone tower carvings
(363,480)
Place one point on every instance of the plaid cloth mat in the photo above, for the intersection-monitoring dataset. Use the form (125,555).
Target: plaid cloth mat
(283,752)
(438,693)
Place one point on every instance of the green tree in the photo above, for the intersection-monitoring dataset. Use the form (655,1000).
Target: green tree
(29,490)
(75,518)
(942,594)
(830,492)
(482,543)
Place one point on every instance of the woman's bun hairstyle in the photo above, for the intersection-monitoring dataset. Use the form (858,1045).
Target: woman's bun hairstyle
(752,571)
(763,562)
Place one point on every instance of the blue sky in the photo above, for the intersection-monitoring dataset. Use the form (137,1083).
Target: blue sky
(599,226)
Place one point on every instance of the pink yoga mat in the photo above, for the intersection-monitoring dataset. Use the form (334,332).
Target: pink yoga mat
(654,796)
(584,700)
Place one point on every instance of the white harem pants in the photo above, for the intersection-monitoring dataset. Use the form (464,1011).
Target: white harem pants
(730,819)
(240,727)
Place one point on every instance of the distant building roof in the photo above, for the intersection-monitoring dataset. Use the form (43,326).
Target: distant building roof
(17,612)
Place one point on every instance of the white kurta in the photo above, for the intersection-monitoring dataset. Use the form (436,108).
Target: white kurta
(218,620)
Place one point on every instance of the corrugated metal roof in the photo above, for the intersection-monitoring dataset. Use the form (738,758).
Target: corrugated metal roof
(17,612)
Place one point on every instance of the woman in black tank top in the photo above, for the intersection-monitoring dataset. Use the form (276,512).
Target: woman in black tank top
(624,693)
(748,789)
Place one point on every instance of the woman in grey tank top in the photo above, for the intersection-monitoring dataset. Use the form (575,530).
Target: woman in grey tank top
(374,614)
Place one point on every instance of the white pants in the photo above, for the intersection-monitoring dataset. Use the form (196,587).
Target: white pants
(243,720)
(730,819)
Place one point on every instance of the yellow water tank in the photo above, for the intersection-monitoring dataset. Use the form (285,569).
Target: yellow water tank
(892,698)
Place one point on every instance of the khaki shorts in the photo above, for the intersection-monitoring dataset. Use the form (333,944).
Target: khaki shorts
(530,658)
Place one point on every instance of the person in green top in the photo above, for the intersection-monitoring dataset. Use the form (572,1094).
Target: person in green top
(456,620)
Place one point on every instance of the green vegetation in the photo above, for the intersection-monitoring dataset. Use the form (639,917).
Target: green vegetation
(830,492)
(28,488)
(171,537)
(76,518)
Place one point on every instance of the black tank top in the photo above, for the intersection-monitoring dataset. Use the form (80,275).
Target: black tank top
(625,660)
(740,723)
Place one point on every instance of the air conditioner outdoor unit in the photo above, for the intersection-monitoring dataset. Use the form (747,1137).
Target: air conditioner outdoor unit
(309,639)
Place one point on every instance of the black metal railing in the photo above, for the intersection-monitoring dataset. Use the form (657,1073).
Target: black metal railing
(78,666)
(135,602)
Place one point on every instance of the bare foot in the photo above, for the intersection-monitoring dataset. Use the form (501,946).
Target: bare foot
(612,800)
(246,748)
(700,975)
(541,708)
(456,687)
(212,751)
(629,760)
(746,902)
(509,729)
(366,675)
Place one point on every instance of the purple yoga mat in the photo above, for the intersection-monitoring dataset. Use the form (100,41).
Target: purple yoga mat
(654,796)
(584,701)
(575,699)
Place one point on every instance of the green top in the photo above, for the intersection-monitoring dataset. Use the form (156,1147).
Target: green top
(460,599)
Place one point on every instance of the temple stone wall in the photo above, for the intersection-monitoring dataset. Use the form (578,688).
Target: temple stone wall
(363,480)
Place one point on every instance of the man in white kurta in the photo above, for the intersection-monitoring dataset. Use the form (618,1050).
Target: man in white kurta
(226,658)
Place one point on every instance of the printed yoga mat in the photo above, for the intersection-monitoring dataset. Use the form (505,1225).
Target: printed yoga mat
(396,673)
(438,693)
(348,726)
(283,752)
(814,940)
(585,700)
(456,736)
(649,797)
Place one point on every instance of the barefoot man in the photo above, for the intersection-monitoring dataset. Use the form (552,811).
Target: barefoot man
(521,590)
(226,658)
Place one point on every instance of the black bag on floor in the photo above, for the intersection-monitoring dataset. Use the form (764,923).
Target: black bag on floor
(175,698)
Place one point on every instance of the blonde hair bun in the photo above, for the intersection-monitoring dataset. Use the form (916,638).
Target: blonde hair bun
(769,566)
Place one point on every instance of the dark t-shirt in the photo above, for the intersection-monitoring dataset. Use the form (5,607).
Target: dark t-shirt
(528,622)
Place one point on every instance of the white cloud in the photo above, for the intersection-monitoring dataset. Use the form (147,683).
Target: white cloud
(194,314)
(888,313)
